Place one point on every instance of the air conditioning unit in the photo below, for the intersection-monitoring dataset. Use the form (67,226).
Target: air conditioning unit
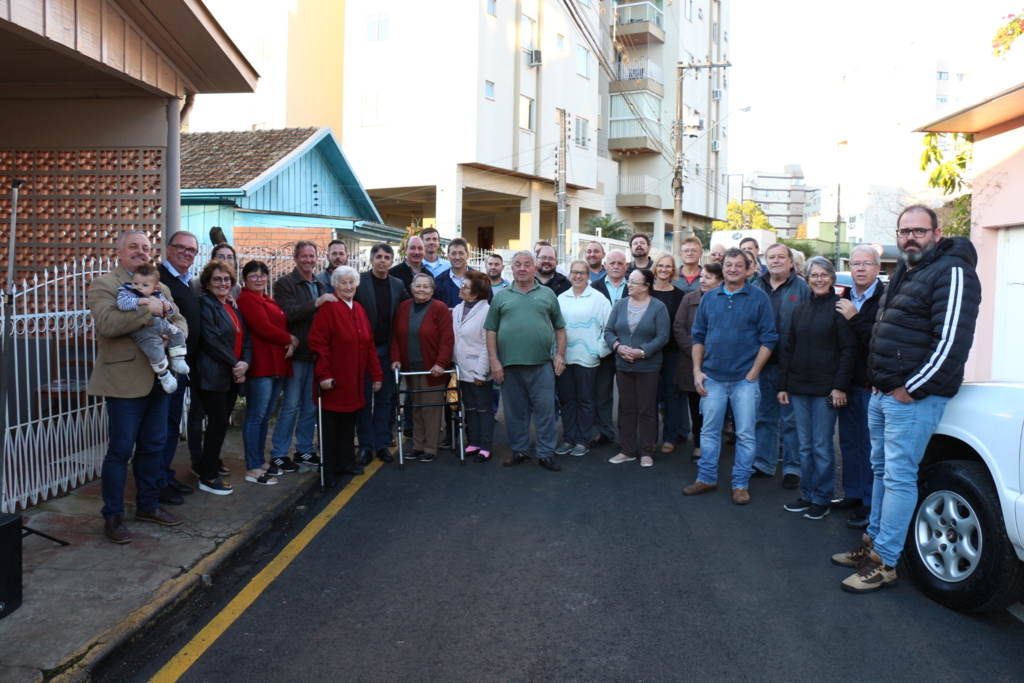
(534,58)
(716,94)
(715,145)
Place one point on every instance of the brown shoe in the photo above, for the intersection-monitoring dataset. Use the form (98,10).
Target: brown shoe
(855,556)
(668,447)
(740,496)
(116,531)
(159,515)
(699,487)
(871,575)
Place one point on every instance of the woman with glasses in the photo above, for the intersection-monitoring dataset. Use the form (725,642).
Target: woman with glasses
(224,253)
(225,352)
(272,347)
(669,396)
(637,330)
(586,312)
(815,368)
(475,380)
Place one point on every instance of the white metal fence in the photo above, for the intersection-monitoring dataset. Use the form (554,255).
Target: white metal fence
(643,67)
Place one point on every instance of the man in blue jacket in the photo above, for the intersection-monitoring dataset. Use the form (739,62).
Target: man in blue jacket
(733,336)
(922,336)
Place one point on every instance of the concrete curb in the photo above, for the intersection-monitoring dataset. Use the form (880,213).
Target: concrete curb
(78,667)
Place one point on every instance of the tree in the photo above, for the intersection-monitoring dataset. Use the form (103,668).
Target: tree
(803,247)
(801,231)
(704,235)
(948,176)
(610,227)
(745,216)
(1011,29)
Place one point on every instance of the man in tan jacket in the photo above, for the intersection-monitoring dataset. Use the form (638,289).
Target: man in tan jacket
(136,403)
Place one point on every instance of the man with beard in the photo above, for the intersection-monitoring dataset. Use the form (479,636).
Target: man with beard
(920,342)
(546,273)
(595,260)
(640,247)
(337,255)
(495,266)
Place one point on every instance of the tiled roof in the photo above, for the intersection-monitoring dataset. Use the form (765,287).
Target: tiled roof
(232,159)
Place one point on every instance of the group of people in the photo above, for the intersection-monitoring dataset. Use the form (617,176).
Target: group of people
(769,347)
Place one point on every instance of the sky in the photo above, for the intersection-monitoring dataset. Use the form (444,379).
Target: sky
(789,57)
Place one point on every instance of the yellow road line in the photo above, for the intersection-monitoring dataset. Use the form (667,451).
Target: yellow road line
(202,641)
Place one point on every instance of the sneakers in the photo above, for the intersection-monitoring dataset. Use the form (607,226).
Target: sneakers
(817,511)
(579,450)
(563,449)
(168,382)
(860,519)
(216,487)
(307,460)
(284,464)
(799,505)
(790,481)
(428,457)
(855,556)
(871,575)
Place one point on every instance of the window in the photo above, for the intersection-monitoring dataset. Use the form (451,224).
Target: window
(492,7)
(943,75)
(725,132)
(688,9)
(725,36)
(377,27)
(583,61)
(527,113)
(582,131)
(560,40)
(526,33)
(962,77)
(375,110)
(714,31)
(940,99)
(489,90)
(585,3)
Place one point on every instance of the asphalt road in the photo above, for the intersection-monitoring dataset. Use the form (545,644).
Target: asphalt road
(598,573)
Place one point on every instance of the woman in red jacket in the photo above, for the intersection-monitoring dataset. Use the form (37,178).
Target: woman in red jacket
(272,347)
(422,340)
(341,340)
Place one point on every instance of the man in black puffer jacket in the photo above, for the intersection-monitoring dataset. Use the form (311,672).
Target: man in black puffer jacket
(922,335)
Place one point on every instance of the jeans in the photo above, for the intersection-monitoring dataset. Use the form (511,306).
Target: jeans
(743,396)
(260,402)
(855,445)
(899,436)
(604,396)
(676,420)
(527,390)
(373,425)
(815,425)
(175,404)
(298,406)
(771,416)
(696,419)
(476,405)
(576,395)
(136,425)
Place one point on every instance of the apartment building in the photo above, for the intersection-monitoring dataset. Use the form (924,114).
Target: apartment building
(780,195)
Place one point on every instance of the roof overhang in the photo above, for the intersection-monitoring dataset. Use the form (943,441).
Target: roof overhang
(986,115)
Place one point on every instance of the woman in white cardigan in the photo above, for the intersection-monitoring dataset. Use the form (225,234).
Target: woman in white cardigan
(475,381)
(586,312)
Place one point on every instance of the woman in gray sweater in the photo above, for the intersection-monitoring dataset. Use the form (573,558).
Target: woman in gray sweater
(638,328)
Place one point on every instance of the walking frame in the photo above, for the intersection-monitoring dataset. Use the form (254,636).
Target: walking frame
(458,423)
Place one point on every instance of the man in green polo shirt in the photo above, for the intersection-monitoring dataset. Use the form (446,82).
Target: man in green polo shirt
(526,331)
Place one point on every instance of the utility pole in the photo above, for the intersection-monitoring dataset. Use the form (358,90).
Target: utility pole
(839,188)
(677,177)
(563,200)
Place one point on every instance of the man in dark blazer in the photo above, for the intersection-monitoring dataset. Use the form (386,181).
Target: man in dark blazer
(180,252)
(379,294)
(412,265)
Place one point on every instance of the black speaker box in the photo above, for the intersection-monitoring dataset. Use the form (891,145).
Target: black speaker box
(10,564)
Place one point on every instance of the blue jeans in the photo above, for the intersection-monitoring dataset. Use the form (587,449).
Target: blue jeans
(298,406)
(855,445)
(899,435)
(260,402)
(138,432)
(576,394)
(373,422)
(175,404)
(815,425)
(771,418)
(743,396)
(676,424)
(528,389)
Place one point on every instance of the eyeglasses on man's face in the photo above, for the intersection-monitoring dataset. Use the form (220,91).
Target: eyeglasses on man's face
(917,232)
(865,264)
(185,250)
(576,273)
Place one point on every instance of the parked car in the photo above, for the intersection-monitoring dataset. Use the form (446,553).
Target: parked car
(964,546)
(844,282)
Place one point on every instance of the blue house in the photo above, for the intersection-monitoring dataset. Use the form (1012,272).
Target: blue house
(272,188)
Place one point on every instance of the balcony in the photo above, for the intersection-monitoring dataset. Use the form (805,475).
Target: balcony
(629,135)
(639,23)
(638,192)
(641,74)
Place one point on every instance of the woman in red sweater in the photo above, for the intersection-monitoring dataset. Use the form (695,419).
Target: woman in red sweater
(422,340)
(341,339)
(272,347)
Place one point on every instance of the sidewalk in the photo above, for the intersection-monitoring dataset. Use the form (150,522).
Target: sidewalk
(84,600)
